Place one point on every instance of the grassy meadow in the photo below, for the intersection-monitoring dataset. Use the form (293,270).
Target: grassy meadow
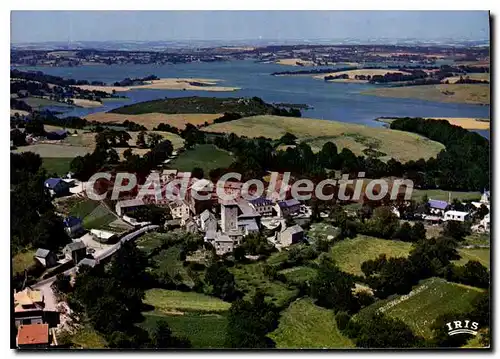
(206,157)
(58,165)
(425,303)
(477,94)
(173,301)
(204,331)
(349,254)
(403,146)
(305,325)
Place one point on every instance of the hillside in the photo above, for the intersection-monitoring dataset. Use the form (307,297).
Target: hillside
(425,303)
(195,104)
(305,325)
(478,94)
(351,253)
(403,146)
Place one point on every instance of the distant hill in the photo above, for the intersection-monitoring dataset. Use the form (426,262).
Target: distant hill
(195,104)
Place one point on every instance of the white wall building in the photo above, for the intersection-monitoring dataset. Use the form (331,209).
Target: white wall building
(456,216)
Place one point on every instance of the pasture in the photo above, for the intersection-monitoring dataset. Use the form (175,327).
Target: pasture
(478,94)
(23,260)
(206,157)
(403,146)
(55,150)
(204,331)
(304,325)
(417,194)
(482,255)
(173,301)
(349,254)
(425,303)
(153,119)
(250,277)
(58,165)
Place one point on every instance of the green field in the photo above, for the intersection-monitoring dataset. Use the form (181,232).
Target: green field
(58,165)
(439,194)
(176,301)
(36,102)
(453,93)
(425,303)
(477,239)
(99,218)
(403,146)
(299,275)
(23,260)
(54,150)
(482,255)
(249,277)
(83,208)
(206,157)
(305,325)
(203,330)
(149,242)
(88,338)
(168,260)
(351,253)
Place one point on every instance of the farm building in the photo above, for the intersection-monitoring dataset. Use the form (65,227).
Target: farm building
(87,262)
(437,207)
(456,216)
(46,257)
(57,187)
(73,226)
(75,251)
(287,207)
(291,235)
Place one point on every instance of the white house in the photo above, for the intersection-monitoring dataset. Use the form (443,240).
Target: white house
(456,216)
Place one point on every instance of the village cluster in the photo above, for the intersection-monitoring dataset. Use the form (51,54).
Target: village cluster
(223,223)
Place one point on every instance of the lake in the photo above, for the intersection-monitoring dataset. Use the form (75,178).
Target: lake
(330,101)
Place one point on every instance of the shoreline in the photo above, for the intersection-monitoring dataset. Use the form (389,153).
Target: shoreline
(184,84)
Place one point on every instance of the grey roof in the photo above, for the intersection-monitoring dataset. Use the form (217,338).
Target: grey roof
(76,245)
(294,229)
(87,262)
(250,224)
(205,215)
(289,203)
(221,237)
(247,210)
(42,253)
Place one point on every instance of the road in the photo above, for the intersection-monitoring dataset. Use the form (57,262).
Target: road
(45,285)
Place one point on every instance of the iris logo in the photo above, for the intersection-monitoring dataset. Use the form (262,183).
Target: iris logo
(462,327)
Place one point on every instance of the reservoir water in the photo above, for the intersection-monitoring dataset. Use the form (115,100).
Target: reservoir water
(330,101)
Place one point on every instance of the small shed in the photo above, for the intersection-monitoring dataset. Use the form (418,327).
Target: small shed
(75,251)
(46,257)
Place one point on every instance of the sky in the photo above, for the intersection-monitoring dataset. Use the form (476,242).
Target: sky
(41,26)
